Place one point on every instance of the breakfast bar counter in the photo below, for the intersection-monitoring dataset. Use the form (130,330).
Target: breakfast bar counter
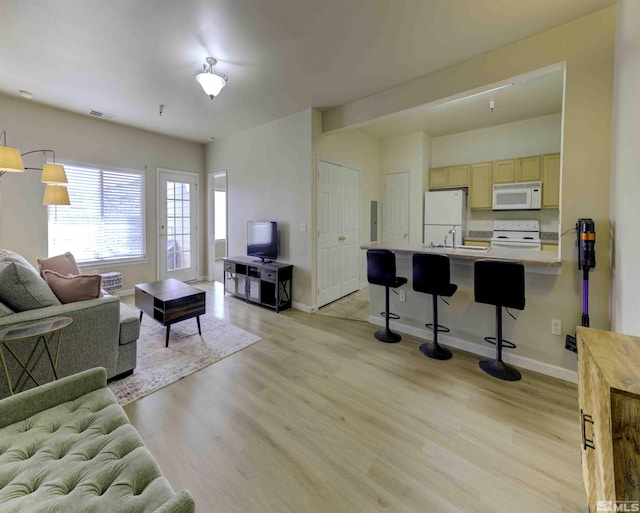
(470,322)
(472,253)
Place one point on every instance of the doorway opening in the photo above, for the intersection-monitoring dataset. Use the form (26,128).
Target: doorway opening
(218,235)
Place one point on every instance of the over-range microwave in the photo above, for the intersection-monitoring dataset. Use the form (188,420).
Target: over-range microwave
(517,196)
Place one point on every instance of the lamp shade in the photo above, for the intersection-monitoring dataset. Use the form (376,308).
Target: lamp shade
(211,83)
(53,173)
(10,160)
(56,195)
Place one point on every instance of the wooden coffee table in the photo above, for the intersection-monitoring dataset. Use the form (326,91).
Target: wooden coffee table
(170,301)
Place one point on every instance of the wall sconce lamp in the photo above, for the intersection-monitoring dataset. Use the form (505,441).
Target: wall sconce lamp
(53,175)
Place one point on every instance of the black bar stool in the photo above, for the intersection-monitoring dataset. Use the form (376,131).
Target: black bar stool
(432,275)
(499,283)
(381,270)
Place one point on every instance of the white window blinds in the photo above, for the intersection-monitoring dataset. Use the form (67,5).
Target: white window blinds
(105,220)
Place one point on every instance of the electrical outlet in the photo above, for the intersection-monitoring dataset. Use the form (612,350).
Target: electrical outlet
(403,294)
(556,327)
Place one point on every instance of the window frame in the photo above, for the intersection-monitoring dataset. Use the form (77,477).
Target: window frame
(111,262)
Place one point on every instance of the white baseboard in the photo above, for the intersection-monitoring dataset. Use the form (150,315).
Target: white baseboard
(302,307)
(125,292)
(488,351)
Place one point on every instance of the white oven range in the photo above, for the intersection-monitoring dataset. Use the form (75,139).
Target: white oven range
(524,234)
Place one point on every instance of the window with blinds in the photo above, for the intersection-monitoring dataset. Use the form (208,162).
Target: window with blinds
(105,221)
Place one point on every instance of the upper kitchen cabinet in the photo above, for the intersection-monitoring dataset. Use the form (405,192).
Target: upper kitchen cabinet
(524,169)
(551,181)
(504,171)
(480,186)
(451,177)
(529,169)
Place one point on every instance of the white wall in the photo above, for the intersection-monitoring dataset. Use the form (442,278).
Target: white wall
(269,171)
(78,138)
(408,153)
(535,136)
(625,176)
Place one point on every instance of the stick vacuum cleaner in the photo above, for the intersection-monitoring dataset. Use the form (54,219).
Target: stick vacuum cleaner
(586,261)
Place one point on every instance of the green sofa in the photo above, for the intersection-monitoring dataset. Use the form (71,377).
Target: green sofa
(67,446)
(104,332)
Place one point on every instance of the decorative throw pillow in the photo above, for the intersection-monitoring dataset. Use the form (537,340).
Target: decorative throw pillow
(22,289)
(69,289)
(62,264)
(9,256)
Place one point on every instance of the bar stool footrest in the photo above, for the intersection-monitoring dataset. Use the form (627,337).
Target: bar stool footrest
(505,343)
(389,315)
(441,328)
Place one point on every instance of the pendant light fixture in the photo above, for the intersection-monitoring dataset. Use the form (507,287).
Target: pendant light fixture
(211,82)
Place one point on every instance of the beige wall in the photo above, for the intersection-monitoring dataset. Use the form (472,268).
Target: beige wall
(535,136)
(269,171)
(625,175)
(360,151)
(587,47)
(77,138)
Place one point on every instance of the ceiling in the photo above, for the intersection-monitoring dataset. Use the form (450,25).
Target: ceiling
(537,94)
(126,57)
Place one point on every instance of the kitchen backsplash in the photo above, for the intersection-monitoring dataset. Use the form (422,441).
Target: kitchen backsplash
(482,220)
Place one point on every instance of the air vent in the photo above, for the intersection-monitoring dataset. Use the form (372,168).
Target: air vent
(102,115)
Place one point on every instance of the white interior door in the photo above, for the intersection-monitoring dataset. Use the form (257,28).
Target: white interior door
(395,206)
(328,261)
(338,231)
(350,221)
(177,225)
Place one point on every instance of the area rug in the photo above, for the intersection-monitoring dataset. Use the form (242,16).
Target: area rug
(159,366)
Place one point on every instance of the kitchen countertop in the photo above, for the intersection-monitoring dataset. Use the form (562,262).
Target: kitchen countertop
(527,257)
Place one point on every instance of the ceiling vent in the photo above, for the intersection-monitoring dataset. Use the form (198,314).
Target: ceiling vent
(102,115)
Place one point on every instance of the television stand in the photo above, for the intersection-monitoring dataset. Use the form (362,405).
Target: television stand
(264,283)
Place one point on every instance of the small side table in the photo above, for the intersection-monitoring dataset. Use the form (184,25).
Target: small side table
(45,330)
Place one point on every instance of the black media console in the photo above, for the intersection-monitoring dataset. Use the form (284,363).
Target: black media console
(267,284)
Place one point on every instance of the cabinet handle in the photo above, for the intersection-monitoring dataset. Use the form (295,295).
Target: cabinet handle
(586,442)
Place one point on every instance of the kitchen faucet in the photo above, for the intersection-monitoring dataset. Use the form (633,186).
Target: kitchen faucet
(453,238)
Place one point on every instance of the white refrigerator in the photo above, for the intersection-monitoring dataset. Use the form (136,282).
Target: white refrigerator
(444,211)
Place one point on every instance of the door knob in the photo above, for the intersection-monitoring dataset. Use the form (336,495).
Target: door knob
(341,238)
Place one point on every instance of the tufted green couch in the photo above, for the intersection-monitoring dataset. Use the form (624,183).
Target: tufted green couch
(67,446)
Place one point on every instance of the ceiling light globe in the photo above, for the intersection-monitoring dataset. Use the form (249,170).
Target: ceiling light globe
(211,83)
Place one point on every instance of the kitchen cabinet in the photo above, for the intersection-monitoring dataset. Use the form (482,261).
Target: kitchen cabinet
(609,399)
(504,171)
(529,169)
(480,186)
(439,178)
(551,180)
(450,177)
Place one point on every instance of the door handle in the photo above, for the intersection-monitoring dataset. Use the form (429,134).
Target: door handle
(586,442)
(405,236)
(341,238)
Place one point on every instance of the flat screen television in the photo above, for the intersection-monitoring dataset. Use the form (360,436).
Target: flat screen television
(262,240)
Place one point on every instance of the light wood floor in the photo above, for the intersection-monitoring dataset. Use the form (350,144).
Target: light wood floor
(320,417)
